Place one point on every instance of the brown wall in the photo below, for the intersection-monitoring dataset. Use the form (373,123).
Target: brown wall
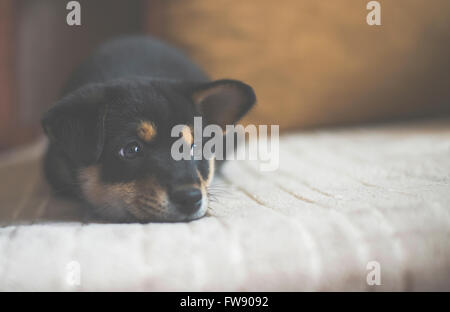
(318,62)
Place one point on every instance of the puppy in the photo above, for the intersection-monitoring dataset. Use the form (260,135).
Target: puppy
(110,134)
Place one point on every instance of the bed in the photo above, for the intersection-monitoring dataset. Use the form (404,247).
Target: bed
(345,203)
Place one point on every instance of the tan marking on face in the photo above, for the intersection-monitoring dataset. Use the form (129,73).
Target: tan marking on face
(99,193)
(206,182)
(144,199)
(210,172)
(187,135)
(151,192)
(146,130)
(204,185)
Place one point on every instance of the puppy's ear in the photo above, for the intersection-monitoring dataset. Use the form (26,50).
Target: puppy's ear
(223,102)
(76,124)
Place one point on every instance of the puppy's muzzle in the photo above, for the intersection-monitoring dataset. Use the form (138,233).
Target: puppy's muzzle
(187,198)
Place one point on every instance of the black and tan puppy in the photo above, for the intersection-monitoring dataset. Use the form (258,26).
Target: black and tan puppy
(110,134)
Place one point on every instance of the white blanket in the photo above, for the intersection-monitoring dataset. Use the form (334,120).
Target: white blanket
(340,200)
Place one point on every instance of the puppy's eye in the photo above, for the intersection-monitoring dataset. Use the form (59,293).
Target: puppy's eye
(131,150)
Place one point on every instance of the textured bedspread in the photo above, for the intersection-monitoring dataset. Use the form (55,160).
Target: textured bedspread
(340,199)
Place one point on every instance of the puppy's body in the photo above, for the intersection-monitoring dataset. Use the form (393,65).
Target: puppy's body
(135,57)
(110,134)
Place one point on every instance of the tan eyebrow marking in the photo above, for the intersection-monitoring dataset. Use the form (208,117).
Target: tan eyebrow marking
(187,135)
(146,130)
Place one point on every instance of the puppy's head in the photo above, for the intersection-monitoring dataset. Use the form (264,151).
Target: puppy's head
(117,140)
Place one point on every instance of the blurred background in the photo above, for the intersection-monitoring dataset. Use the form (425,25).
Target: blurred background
(312,63)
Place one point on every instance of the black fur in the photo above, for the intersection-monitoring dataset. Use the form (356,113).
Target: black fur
(121,84)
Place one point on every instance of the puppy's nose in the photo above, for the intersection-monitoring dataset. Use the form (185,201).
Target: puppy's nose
(188,198)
